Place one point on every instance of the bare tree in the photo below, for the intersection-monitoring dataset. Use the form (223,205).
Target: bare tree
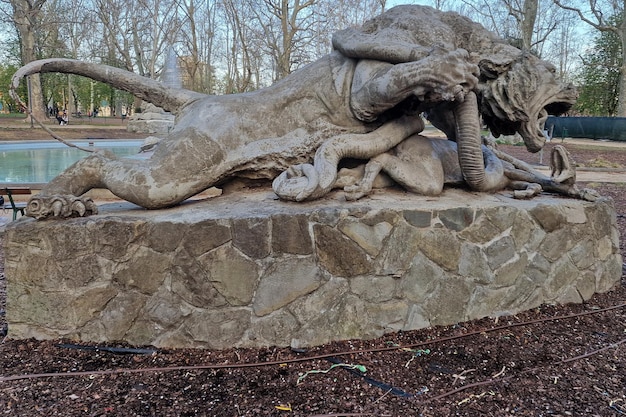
(163,25)
(510,19)
(286,33)
(331,16)
(27,19)
(563,46)
(525,14)
(197,39)
(607,17)
(243,62)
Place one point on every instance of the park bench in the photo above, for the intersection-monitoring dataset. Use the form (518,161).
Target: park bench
(17,207)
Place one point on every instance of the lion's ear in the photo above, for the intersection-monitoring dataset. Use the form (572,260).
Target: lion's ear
(491,69)
(498,61)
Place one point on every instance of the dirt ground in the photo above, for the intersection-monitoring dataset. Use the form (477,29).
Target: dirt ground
(551,361)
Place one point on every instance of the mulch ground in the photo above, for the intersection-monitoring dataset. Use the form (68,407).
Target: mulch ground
(551,361)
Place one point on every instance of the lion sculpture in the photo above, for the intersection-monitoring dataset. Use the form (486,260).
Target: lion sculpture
(359,101)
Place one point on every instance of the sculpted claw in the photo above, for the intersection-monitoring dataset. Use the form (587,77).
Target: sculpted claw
(57,208)
(79,208)
(60,206)
(588,194)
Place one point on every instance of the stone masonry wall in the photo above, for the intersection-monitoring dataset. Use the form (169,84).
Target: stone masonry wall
(246,270)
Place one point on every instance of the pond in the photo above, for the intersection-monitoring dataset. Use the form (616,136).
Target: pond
(40,161)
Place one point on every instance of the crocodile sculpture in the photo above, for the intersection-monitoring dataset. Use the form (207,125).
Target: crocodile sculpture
(359,101)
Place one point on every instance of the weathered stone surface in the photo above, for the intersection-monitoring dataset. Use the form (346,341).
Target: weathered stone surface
(250,236)
(440,246)
(373,289)
(525,231)
(500,251)
(586,285)
(145,271)
(290,234)
(453,293)
(508,273)
(234,276)
(418,218)
(564,272)
(395,258)
(457,219)
(549,217)
(120,313)
(164,237)
(338,254)
(201,238)
(486,226)
(227,272)
(421,279)
(283,282)
(370,238)
(274,329)
(474,264)
(560,241)
(218,328)
(583,253)
(608,273)
(191,281)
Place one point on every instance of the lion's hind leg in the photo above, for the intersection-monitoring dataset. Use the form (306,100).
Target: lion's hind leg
(412,165)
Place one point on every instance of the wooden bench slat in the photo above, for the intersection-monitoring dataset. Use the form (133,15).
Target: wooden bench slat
(22,191)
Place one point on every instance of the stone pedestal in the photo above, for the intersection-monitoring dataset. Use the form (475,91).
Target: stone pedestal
(153,120)
(248,270)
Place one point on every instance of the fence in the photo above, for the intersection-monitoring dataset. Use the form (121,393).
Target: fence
(613,128)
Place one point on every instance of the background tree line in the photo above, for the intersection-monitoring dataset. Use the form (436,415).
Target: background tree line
(230,46)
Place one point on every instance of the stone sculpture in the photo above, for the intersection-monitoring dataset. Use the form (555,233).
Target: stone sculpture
(424,165)
(359,101)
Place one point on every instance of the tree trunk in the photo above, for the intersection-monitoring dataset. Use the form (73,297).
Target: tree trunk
(528,23)
(26,16)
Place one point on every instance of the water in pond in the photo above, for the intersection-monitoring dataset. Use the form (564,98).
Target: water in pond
(37,161)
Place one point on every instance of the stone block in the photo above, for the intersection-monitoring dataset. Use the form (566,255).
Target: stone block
(339,254)
(285,281)
(252,237)
(233,275)
(290,234)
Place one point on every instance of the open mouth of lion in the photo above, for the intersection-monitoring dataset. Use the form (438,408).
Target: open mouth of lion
(533,131)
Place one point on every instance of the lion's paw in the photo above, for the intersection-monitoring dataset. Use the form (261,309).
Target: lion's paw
(61,206)
(589,194)
(457,80)
(356,191)
(296,183)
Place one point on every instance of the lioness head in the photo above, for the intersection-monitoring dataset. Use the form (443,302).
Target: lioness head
(518,96)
